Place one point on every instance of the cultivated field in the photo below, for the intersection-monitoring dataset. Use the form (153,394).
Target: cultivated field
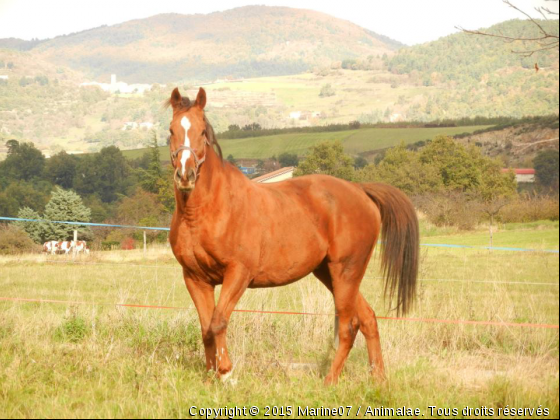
(95,359)
(354,141)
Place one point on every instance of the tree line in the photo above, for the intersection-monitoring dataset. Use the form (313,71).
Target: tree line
(452,183)
(100,187)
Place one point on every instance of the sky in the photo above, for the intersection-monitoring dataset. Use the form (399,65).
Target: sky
(408,21)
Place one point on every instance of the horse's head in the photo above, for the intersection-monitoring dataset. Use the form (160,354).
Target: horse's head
(188,141)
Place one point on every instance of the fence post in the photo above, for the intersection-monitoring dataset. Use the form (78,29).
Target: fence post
(74,250)
(144,243)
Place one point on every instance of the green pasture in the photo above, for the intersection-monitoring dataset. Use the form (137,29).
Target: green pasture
(354,141)
(93,359)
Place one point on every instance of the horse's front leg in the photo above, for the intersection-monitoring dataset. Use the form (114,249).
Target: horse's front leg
(202,295)
(236,281)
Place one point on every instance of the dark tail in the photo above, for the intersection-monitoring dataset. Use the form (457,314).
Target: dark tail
(400,246)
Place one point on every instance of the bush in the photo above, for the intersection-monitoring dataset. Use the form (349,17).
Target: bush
(530,209)
(13,240)
(452,209)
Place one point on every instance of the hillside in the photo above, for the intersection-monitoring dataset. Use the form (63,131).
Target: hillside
(478,75)
(245,42)
(517,145)
(356,142)
(454,77)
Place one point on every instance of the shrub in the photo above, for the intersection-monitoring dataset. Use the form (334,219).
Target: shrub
(13,240)
(74,329)
(452,209)
(530,209)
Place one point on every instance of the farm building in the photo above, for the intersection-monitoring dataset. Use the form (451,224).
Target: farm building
(523,175)
(276,176)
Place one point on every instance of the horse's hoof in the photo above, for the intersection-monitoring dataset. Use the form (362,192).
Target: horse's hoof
(331,380)
(227,378)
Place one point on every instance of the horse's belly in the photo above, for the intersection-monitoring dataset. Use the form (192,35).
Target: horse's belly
(288,260)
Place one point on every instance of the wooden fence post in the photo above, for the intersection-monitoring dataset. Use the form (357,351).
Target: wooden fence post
(144,243)
(74,250)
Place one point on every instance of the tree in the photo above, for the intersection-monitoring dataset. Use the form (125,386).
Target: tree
(329,159)
(139,206)
(35,230)
(546,168)
(24,162)
(495,191)
(459,167)
(28,194)
(66,205)
(104,173)
(143,209)
(60,169)
(404,169)
(252,127)
(166,190)
(288,159)
(326,91)
(149,178)
(360,162)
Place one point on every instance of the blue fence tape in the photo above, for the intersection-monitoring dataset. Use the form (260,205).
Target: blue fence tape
(15,219)
(490,248)
(493,248)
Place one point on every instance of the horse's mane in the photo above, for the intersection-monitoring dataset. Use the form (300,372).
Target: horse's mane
(211,136)
(187,104)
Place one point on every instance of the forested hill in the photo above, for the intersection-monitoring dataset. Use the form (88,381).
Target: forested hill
(480,75)
(464,58)
(243,42)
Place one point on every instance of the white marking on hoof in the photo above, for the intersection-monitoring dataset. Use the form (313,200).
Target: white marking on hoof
(227,378)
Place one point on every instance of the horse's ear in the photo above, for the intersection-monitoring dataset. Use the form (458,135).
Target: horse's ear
(176,99)
(201,98)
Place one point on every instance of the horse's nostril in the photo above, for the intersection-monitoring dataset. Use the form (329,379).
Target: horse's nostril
(191,175)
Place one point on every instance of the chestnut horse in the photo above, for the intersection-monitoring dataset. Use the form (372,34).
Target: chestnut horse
(228,230)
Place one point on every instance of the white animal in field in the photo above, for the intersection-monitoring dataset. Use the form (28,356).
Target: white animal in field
(65,246)
(80,246)
(50,247)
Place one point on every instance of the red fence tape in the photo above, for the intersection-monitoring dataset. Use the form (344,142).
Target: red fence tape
(440,321)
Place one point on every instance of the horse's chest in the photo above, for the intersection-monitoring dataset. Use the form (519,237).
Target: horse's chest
(193,255)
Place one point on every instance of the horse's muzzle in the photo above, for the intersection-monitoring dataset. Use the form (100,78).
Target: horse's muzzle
(185,183)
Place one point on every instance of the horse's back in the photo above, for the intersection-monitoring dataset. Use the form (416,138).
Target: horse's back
(310,218)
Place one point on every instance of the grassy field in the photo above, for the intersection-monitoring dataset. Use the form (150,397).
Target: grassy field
(97,360)
(354,141)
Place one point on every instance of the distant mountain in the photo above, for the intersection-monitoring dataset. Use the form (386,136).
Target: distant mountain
(244,42)
(18,44)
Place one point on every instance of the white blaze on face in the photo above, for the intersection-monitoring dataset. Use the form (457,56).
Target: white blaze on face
(186,153)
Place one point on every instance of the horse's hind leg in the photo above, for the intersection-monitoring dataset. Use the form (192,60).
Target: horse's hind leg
(368,327)
(345,287)
(367,323)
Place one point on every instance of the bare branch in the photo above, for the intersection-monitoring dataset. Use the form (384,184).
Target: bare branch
(541,40)
(549,11)
(540,10)
(508,2)
(529,53)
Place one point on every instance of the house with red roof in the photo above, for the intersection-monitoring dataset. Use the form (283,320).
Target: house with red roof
(522,175)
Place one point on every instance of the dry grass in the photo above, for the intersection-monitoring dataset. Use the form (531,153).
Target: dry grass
(104,361)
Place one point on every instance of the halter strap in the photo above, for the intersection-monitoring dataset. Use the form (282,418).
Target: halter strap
(197,162)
